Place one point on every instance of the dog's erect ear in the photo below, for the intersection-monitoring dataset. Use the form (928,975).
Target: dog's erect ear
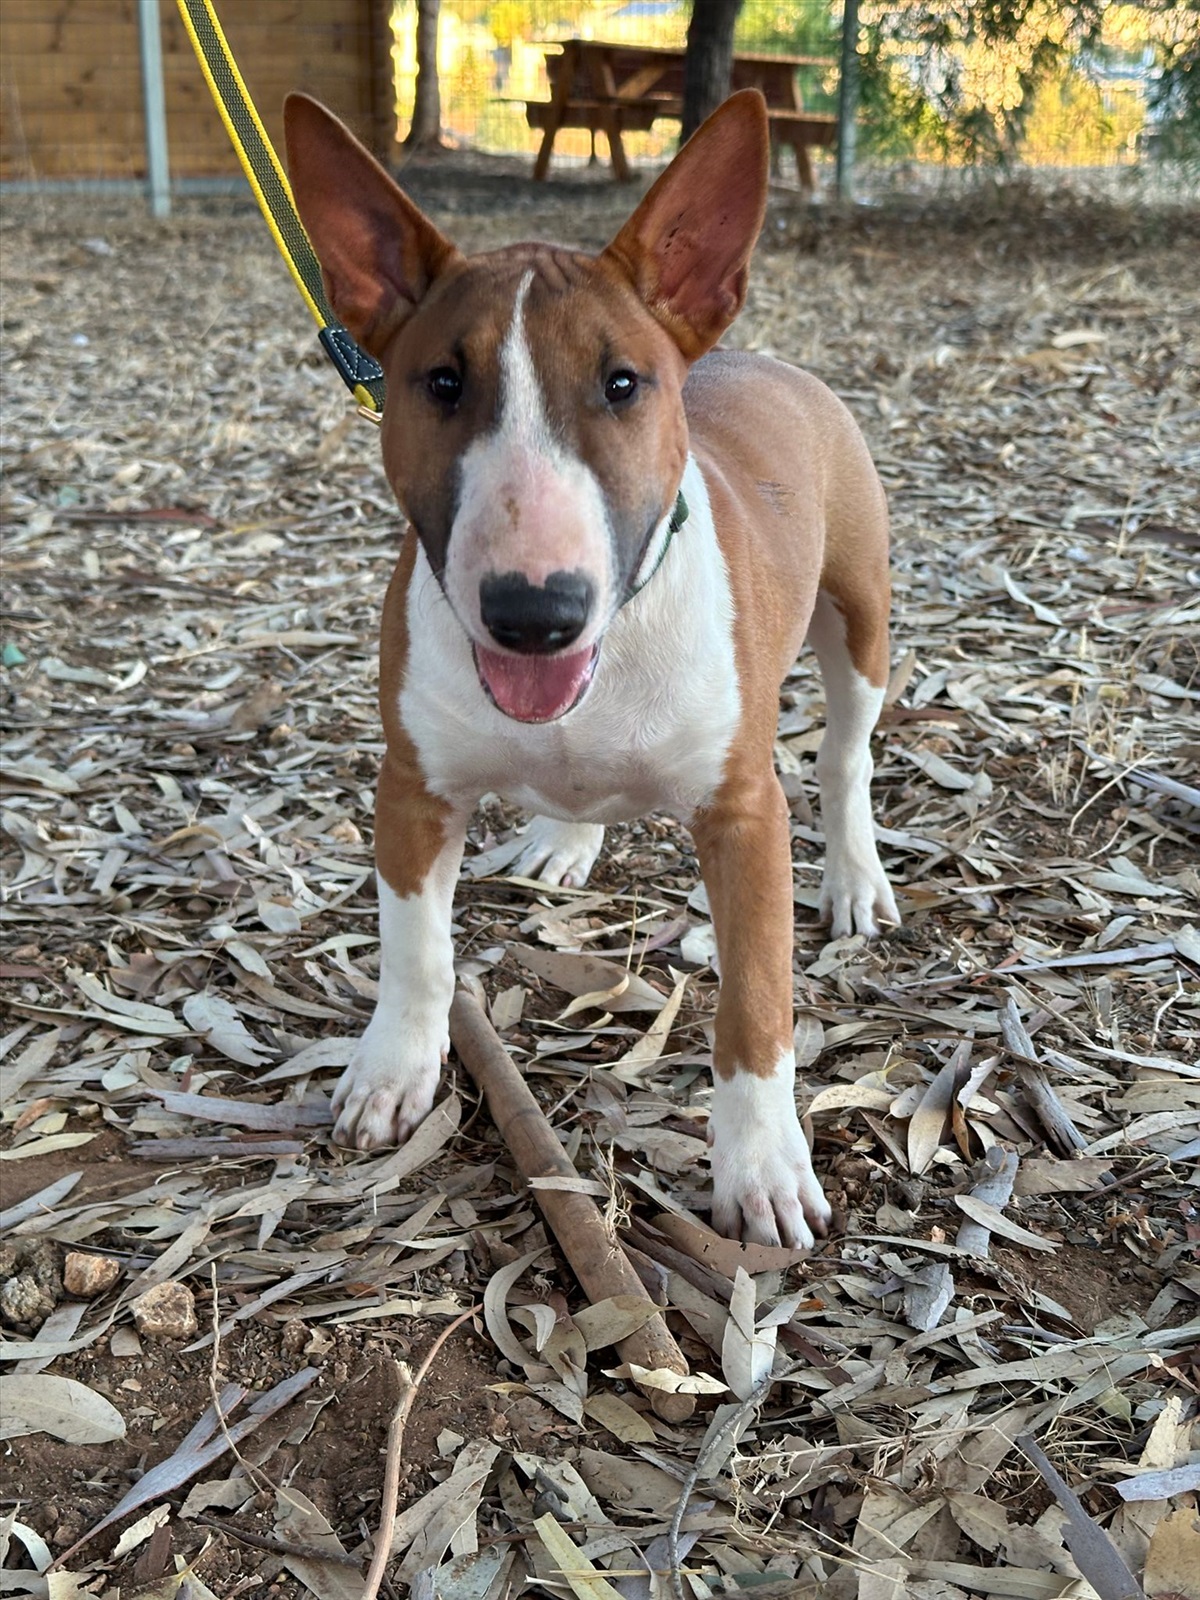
(378,251)
(687,247)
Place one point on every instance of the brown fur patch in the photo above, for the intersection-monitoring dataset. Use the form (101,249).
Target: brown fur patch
(797,504)
(864,600)
(745,856)
(410,822)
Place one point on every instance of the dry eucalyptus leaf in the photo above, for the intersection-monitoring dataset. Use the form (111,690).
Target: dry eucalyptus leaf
(725,1255)
(229,1494)
(138,1532)
(278,916)
(453,1511)
(495,1310)
(218,1023)
(1173,1559)
(930,1116)
(665,1379)
(588,974)
(61,1407)
(996,1222)
(44,1147)
(654,1041)
(609,1321)
(747,1351)
(619,1418)
(298,1522)
(506,1008)
(584,1579)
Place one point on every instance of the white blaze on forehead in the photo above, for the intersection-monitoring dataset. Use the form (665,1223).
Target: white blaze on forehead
(522,410)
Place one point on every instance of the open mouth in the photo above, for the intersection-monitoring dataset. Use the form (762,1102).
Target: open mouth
(536,688)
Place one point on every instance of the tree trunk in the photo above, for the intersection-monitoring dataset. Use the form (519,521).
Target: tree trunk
(380,40)
(709,62)
(426,130)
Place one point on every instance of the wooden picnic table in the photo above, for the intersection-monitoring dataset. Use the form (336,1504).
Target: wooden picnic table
(614,88)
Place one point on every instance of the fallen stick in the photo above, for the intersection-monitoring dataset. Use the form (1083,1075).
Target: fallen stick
(395,1447)
(596,1258)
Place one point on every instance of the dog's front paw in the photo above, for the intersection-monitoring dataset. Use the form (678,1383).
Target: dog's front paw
(388,1088)
(764,1187)
(559,852)
(856,896)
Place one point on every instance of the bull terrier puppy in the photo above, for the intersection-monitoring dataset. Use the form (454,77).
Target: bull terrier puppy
(619,539)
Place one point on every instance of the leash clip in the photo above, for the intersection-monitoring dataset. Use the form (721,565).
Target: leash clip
(356,368)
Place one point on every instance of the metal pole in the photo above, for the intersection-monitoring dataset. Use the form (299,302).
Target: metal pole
(154,109)
(848,101)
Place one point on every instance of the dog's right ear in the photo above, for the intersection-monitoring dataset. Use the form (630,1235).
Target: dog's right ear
(378,251)
(686,249)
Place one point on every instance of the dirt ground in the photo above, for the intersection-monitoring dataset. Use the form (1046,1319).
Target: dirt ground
(197,538)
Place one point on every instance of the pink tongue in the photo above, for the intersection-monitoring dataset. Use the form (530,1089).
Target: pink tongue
(534,688)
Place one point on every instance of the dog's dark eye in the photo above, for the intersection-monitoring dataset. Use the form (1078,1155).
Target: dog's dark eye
(444,384)
(620,386)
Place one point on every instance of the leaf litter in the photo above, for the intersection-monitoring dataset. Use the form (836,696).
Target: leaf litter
(1005,1093)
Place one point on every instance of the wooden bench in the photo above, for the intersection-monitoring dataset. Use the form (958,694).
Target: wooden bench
(595,114)
(608,114)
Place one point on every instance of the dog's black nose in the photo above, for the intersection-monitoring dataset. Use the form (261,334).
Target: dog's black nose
(520,616)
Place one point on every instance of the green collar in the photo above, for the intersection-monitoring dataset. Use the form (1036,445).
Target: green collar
(679,516)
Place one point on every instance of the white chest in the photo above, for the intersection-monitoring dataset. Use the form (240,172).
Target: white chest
(651,734)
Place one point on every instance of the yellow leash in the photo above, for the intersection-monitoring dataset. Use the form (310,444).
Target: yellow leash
(361,373)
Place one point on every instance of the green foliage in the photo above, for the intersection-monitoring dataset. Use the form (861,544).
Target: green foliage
(987,81)
(809,28)
(529,19)
(800,30)
(1072,120)
(1175,98)
(895,120)
(469,81)
(968,69)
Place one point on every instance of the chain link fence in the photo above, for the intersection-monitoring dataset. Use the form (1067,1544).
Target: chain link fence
(1095,112)
(71,106)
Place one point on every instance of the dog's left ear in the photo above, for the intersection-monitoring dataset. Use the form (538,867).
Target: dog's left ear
(687,247)
(378,251)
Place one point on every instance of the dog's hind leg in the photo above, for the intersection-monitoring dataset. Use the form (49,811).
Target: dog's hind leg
(559,852)
(849,633)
